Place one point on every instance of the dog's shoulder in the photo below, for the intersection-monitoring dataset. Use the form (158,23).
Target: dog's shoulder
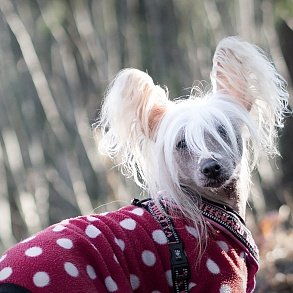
(116,251)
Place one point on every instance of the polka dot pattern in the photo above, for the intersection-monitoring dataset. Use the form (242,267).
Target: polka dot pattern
(91,272)
(3,257)
(65,243)
(223,245)
(92,232)
(191,285)
(41,279)
(120,243)
(212,267)
(111,284)
(192,231)
(65,222)
(242,255)
(128,224)
(134,281)
(148,258)
(33,251)
(71,269)
(5,273)
(92,218)
(138,211)
(159,237)
(168,275)
(115,258)
(129,242)
(58,228)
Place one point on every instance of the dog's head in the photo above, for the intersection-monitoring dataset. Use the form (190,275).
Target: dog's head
(199,145)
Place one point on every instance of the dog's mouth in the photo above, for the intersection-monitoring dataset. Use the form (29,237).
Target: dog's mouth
(216,183)
(224,187)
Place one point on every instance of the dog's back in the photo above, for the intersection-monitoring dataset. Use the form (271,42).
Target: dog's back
(124,251)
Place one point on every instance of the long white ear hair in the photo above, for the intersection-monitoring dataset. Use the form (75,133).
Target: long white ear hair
(133,107)
(243,71)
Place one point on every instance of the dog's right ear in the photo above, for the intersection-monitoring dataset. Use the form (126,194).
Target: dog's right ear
(132,109)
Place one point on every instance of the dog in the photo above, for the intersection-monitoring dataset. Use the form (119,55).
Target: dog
(193,157)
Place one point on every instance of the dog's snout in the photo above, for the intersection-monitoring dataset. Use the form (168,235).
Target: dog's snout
(210,168)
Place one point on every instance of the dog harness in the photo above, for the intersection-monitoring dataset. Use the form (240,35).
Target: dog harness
(130,250)
(179,264)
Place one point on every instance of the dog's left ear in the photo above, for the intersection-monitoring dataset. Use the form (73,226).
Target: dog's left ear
(244,73)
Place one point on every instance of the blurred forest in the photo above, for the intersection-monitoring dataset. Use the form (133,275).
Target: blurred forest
(56,60)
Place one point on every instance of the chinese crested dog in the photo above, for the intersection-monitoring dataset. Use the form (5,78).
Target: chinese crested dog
(201,146)
(194,158)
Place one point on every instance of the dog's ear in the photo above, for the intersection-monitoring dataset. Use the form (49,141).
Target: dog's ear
(133,105)
(242,71)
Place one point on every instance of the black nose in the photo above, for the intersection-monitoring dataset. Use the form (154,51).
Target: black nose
(210,168)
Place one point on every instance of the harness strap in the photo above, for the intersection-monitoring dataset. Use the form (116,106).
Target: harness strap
(179,263)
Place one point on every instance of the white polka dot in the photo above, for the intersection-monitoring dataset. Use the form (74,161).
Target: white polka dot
(223,245)
(28,239)
(159,237)
(92,218)
(65,243)
(225,289)
(242,255)
(111,284)
(148,258)
(134,281)
(3,257)
(192,231)
(169,278)
(92,231)
(34,251)
(191,285)
(91,272)
(41,279)
(213,267)
(138,211)
(58,228)
(5,273)
(104,214)
(115,258)
(65,222)
(71,269)
(120,243)
(128,224)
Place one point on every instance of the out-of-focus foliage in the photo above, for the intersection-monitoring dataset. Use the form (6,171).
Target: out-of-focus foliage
(56,60)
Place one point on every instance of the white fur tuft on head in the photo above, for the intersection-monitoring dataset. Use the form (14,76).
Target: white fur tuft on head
(131,111)
(242,71)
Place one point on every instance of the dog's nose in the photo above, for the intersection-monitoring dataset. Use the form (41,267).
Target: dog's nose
(210,168)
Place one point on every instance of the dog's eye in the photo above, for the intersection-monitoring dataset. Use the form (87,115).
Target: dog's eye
(222,131)
(181,144)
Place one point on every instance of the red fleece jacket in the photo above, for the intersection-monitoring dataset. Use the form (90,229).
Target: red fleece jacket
(124,251)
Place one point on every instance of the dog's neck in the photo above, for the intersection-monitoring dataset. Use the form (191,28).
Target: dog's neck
(227,196)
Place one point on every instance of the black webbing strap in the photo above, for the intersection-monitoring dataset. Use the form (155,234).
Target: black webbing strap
(179,263)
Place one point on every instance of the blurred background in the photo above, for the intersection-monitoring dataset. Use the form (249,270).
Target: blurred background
(56,60)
